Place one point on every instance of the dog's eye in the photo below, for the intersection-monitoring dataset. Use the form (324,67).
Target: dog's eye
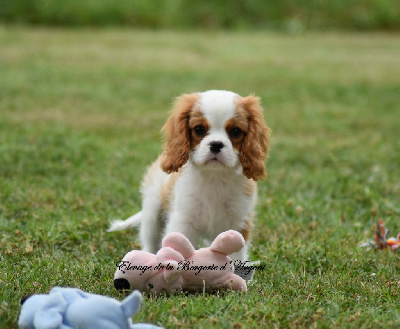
(200,130)
(235,132)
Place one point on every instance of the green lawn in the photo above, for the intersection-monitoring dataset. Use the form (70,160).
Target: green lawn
(80,115)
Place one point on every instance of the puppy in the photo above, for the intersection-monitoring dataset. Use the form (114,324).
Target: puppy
(204,181)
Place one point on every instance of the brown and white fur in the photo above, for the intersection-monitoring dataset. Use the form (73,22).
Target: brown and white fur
(204,181)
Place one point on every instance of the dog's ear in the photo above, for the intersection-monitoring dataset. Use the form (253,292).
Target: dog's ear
(254,148)
(176,130)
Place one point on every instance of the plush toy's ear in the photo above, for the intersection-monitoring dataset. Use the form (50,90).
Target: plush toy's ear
(179,242)
(50,315)
(131,304)
(70,295)
(48,319)
(228,242)
(169,255)
(169,259)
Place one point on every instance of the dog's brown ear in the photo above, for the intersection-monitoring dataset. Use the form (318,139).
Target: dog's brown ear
(254,149)
(176,130)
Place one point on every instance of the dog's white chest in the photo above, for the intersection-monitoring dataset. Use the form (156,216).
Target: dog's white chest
(213,204)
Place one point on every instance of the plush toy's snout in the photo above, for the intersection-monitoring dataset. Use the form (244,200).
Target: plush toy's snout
(122,284)
(23,300)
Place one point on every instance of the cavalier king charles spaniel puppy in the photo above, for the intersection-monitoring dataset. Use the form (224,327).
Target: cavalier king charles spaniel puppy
(204,182)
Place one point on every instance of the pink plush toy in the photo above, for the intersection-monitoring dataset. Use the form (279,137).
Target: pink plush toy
(177,266)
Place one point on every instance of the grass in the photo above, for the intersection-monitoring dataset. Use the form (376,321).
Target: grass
(81,112)
(292,16)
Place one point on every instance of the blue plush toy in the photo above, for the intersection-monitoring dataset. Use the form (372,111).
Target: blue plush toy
(71,308)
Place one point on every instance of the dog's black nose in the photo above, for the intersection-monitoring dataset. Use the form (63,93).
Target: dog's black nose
(215,147)
(121,284)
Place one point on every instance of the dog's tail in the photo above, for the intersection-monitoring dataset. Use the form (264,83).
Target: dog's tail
(119,225)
